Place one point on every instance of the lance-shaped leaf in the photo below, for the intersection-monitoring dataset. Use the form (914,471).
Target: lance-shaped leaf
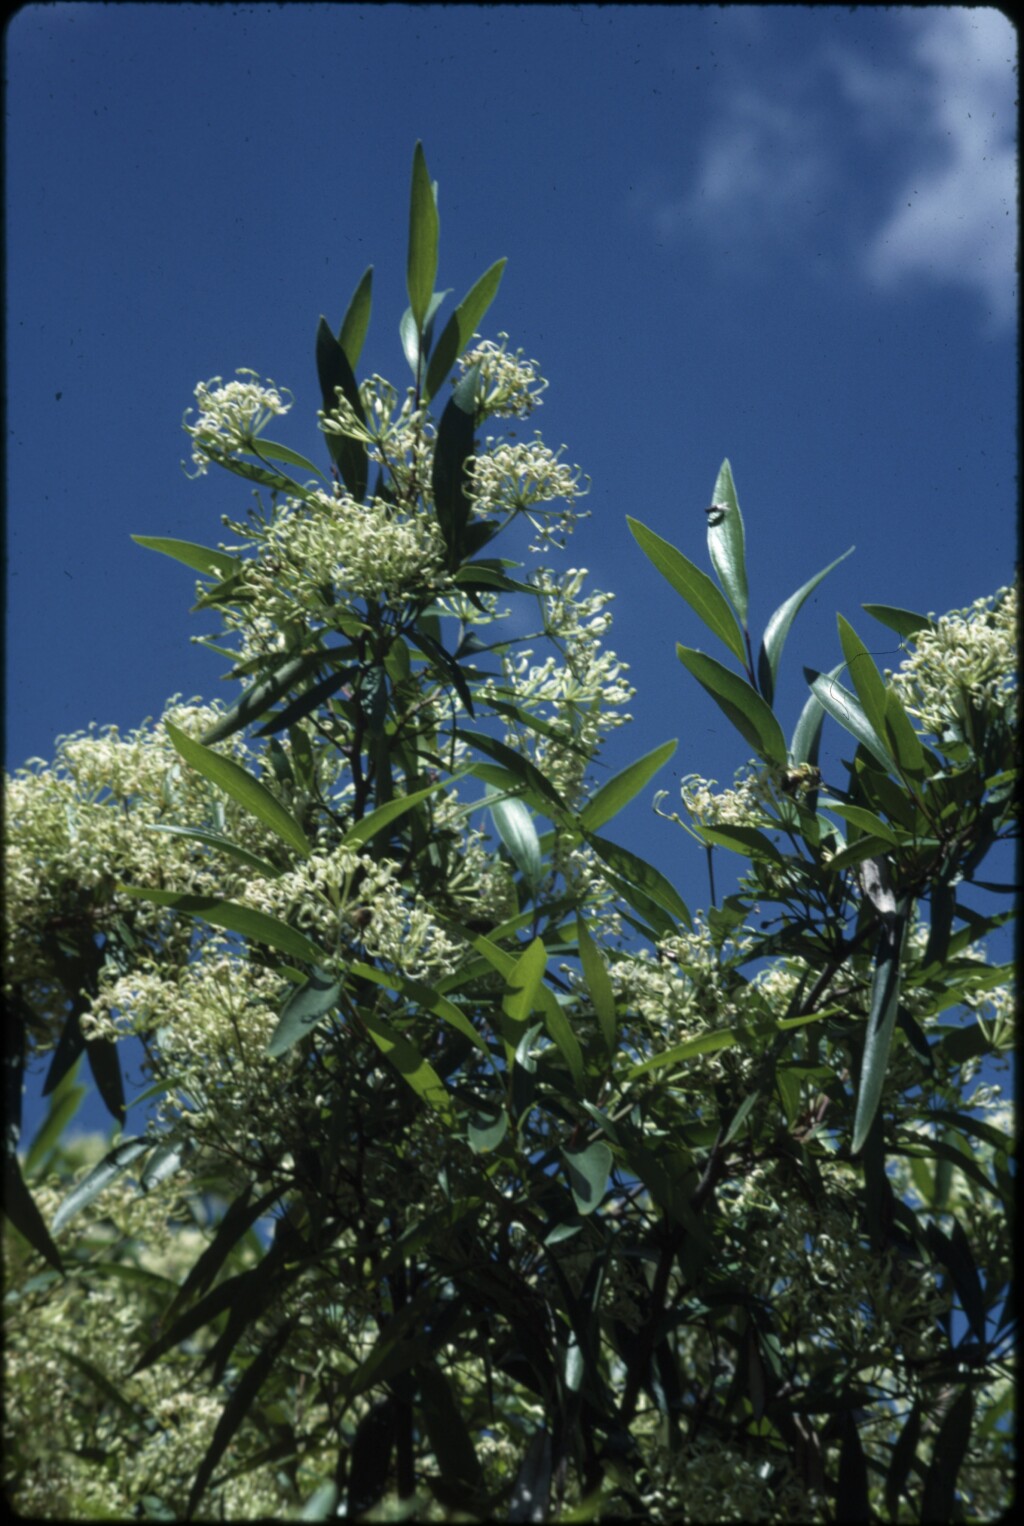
(100,1177)
(885,994)
(740,701)
(620,790)
(220,845)
(415,339)
(531,1492)
(904,622)
(852,1482)
(806,739)
(255,925)
(424,229)
(939,1494)
(450,1439)
(449,478)
(262,694)
(777,629)
(704,1043)
(524,981)
(519,767)
(902,738)
(516,829)
(305,703)
(241,786)
(269,450)
(461,327)
(846,708)
(356,321)
(235,1411)
(695,586)
(410,1064)
(305,1007)
(424,996)
(637,872)
(726,543)
(375,821)
(599,985)
(588,1174)
(335,372)
(866,679)
(204,559)
(20,1208)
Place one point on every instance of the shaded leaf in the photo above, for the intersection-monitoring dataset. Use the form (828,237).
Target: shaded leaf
(885,989)
(235,1411)
(703,1043)
(461,326)
(20,1208)
(417,1073)
(256,925)
(695,586)
(903,621)
(740,701)
(588,1174)
(938,1496)
(356,321)
(220,845)
(599,985)
(318,995)
(531,1492)
(375,821)
(424,229)
(449,477)
(777,630)
(99,1178)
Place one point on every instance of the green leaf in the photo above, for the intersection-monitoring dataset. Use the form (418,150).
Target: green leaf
(845,708)
(704,1043)
(99,1178)
(885,992)
(938,1495)
(777,630)
(305,1007)
(621,789)
(644,876)
(903,621)
(375,821)
(266,692)
(221,845)
(806,739)
(235,1411)
(903,1454)
(866,820)
(20,1208)
(598,984)
(212,564)
(902,738)
(241,786)
(524,981)
(866,679)
(753,844)
(516,829)
(425,997)
(695,586)
(588,1170)
(521,768)
(356,321)
(852,1482)
(402,1053)
(451,1441)
(64,1104)
(449,477)
(725,542)
(334,373)
(269,450)
(461,327)
(424,228)
(486,1131)
(741,702)
(255,925)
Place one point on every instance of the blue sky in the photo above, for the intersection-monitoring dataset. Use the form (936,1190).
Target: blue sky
(782,235)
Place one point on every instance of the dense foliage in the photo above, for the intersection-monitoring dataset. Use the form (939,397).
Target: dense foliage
(482,1178)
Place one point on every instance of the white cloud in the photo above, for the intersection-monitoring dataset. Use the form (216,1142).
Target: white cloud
(898,160)
(954,216)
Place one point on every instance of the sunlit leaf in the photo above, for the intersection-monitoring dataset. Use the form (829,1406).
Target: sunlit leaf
(777,630)
(356,321)
(204,559)
(624,787)
(318,995)
(599,985)
(241,786)
(846,708)
(516,829)
(461,326)
(885,991)
(417,1073)
(726,542)
(99,1178)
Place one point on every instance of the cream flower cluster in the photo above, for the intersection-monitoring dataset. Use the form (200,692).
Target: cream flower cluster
(741,806)
(509,479)
(510,387)
(579,694)
(231,415)
(970,655)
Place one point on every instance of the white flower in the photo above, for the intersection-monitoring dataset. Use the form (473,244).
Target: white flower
(231,415)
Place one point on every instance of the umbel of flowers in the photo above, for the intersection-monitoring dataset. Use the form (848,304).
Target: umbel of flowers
(480,1178)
